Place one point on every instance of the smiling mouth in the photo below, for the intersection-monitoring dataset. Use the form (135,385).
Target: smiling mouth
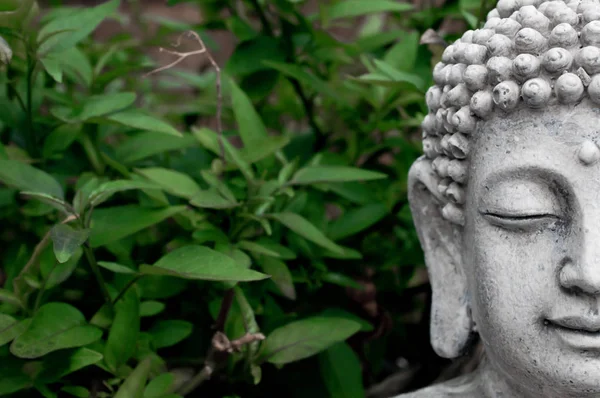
(577,332)
(576,324)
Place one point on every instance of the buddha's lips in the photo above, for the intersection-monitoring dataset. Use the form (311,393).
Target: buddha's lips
(578,323)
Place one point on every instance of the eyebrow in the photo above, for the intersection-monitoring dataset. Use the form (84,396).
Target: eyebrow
(548,178)
(526,173)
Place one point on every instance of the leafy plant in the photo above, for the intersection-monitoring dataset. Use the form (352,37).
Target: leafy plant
(147,254)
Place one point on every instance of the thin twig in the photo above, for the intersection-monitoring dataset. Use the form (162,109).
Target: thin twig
(219,350)
(203,50)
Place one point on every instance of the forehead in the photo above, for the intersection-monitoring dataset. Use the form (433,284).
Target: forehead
(526,139)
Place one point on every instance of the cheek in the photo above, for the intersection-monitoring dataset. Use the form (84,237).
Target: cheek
(511,275)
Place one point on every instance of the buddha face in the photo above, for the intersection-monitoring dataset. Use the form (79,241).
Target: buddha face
(530,247)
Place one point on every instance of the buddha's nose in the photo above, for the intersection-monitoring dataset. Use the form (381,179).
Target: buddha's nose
(582,273)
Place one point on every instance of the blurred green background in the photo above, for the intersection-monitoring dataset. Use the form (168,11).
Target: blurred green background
(147,212)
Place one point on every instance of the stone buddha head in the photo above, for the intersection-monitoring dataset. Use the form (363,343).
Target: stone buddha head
(506,201)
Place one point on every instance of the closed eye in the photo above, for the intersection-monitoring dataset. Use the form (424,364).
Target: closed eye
(521,222)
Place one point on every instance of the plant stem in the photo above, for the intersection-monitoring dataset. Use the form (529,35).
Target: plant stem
(90,150)
(31,139)
(224,310)
(126,288)
(263,17)
(89,254)
(38,299)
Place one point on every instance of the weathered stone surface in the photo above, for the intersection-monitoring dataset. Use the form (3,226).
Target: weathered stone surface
(506,203)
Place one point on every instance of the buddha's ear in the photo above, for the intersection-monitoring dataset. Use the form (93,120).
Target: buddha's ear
(451,321)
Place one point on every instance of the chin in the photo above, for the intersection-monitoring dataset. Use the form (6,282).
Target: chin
(555,371)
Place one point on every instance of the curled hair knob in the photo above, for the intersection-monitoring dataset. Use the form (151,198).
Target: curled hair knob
(568,88)
(590,34)
(500,45)
(475,77)
(482,104)
(557,60)
(499,69)
(463,121)
(530,41)
(536,93)
(526,66)
(506,95)
(563,35)
(589,59)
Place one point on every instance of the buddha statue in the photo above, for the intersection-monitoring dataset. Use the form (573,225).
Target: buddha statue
(506,202)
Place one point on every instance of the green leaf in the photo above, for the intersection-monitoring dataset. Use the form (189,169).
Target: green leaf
(341,280)
(403,54)
(150,143)
(59,273)
(76,64)
(249,320)
(356,220)
(104,104)
(356,8)
(64,32)
(58,204)
(141,121)
(282,252)
(13,377)
(9,297)
(341,371)
(60,139)
(160,386)
(27,178)
(366,326)
(10,328)
(304,228)
(134,385)
(202,263)
(305,338)
(108,189)
(151,308)
(116,268)
(211,199)
(55,326)
(53,65)
(249,54)
(169,333)
(257,248)
(388,76)
(210,140)
(174,182)
(251,127)
(59,364)
(67,240)
(265,148)
(76,391)
(280,275)
(321,174)
(114,223)
(309,80)
(124,331)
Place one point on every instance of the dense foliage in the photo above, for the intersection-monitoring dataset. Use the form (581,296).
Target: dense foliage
(195,233)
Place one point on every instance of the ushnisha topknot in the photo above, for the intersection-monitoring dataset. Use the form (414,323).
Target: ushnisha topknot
(529,54)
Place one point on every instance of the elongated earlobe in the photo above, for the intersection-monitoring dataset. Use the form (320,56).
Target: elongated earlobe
(451,320)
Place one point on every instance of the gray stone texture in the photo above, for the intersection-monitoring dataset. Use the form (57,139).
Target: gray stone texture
(506,202)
